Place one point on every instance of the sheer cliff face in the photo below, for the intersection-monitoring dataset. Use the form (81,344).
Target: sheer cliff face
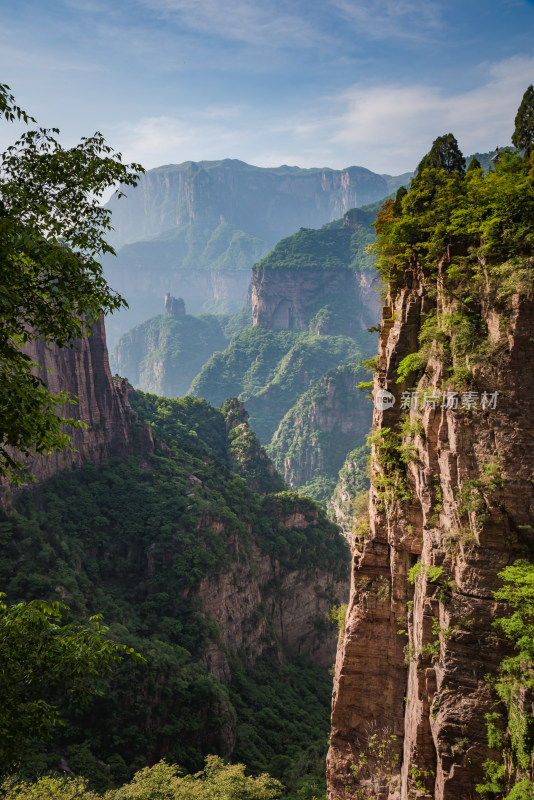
(268,203)
(101,403)
(287,299)
(408,706)
(260,604)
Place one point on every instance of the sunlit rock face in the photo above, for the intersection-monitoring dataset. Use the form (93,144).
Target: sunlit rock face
(423,692)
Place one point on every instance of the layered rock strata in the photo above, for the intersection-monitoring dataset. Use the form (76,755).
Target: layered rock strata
(261,603)
(410,689)
(100,403)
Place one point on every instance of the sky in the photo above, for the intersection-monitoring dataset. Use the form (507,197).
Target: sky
(312,83)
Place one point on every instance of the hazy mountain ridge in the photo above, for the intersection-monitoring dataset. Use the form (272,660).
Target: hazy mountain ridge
(265,202)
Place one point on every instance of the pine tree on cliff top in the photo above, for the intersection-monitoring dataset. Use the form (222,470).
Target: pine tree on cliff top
(523,136)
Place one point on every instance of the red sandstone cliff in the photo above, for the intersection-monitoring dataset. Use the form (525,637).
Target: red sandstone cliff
(101,403)
(408,708)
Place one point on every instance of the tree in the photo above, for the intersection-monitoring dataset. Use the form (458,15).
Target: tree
(52,233)
(523,136)
(397,205)
(444,154)
(217,781)
(43,660)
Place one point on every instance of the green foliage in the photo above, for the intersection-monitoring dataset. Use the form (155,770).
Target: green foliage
(245,453)
(337,615)
(444,155)
(432,572)
(48,788)
(51,236)
(475,230)
(217,781)
(270,370)
(420,778)
(523,790)
(334,246)
(523,135)
(392,457)
(283,719)
(377,765)
(494,774)
(308,442)
(43,660)
(513,732)
(187,423)
(165,353)
(134,539)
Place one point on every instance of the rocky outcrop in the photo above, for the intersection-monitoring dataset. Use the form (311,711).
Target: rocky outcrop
(410,692)
(287,299)
(174,306)
(203,291)
(245,453)
(261,604)
(101,403)
(265,202)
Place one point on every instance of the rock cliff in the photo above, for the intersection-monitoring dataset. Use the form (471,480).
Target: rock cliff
(317,268)
(101,404)
(268,203)
(451,504)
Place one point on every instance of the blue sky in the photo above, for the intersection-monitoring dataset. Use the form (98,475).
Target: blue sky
(331,83)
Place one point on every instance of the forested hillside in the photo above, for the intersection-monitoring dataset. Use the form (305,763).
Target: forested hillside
(222,589)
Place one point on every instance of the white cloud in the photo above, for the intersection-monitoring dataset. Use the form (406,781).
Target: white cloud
(249,21)
(162,140)
(386,128)
(383,19)
(390,127)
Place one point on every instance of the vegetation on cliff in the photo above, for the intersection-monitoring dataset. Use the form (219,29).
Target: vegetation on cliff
(472,232)
(310,444)
(269,370)
(339,244)
(457,256)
